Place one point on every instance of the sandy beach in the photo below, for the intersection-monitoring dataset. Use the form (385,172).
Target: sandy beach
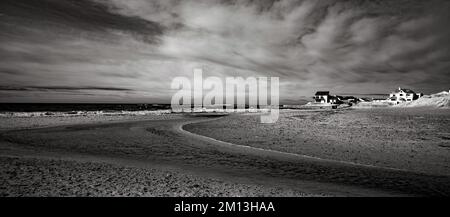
(414,139)
(29,176)
(169,155)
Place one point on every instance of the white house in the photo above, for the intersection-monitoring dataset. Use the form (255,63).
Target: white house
(403,95)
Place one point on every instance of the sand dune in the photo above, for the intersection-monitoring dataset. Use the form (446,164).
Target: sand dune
(438,100)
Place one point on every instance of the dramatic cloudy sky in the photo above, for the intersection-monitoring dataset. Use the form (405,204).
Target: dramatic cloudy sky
(129,50)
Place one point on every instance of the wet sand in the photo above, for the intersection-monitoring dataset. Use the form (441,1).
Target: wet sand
(408,139)
(153,147)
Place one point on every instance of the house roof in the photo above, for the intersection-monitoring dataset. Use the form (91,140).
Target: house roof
(321,93)
(404,90)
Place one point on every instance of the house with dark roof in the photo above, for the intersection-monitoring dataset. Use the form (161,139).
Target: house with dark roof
(403,95)
(322,97)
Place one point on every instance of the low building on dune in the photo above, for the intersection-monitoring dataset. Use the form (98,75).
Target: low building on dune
(324,99)
(379,100)
(403,95)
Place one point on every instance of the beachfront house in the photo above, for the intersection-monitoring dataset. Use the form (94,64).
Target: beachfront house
(403,95)
(322,97)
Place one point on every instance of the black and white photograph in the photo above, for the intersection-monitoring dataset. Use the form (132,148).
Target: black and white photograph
(224,99)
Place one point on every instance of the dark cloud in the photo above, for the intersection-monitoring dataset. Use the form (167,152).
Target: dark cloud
(59,88)
(72,15)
